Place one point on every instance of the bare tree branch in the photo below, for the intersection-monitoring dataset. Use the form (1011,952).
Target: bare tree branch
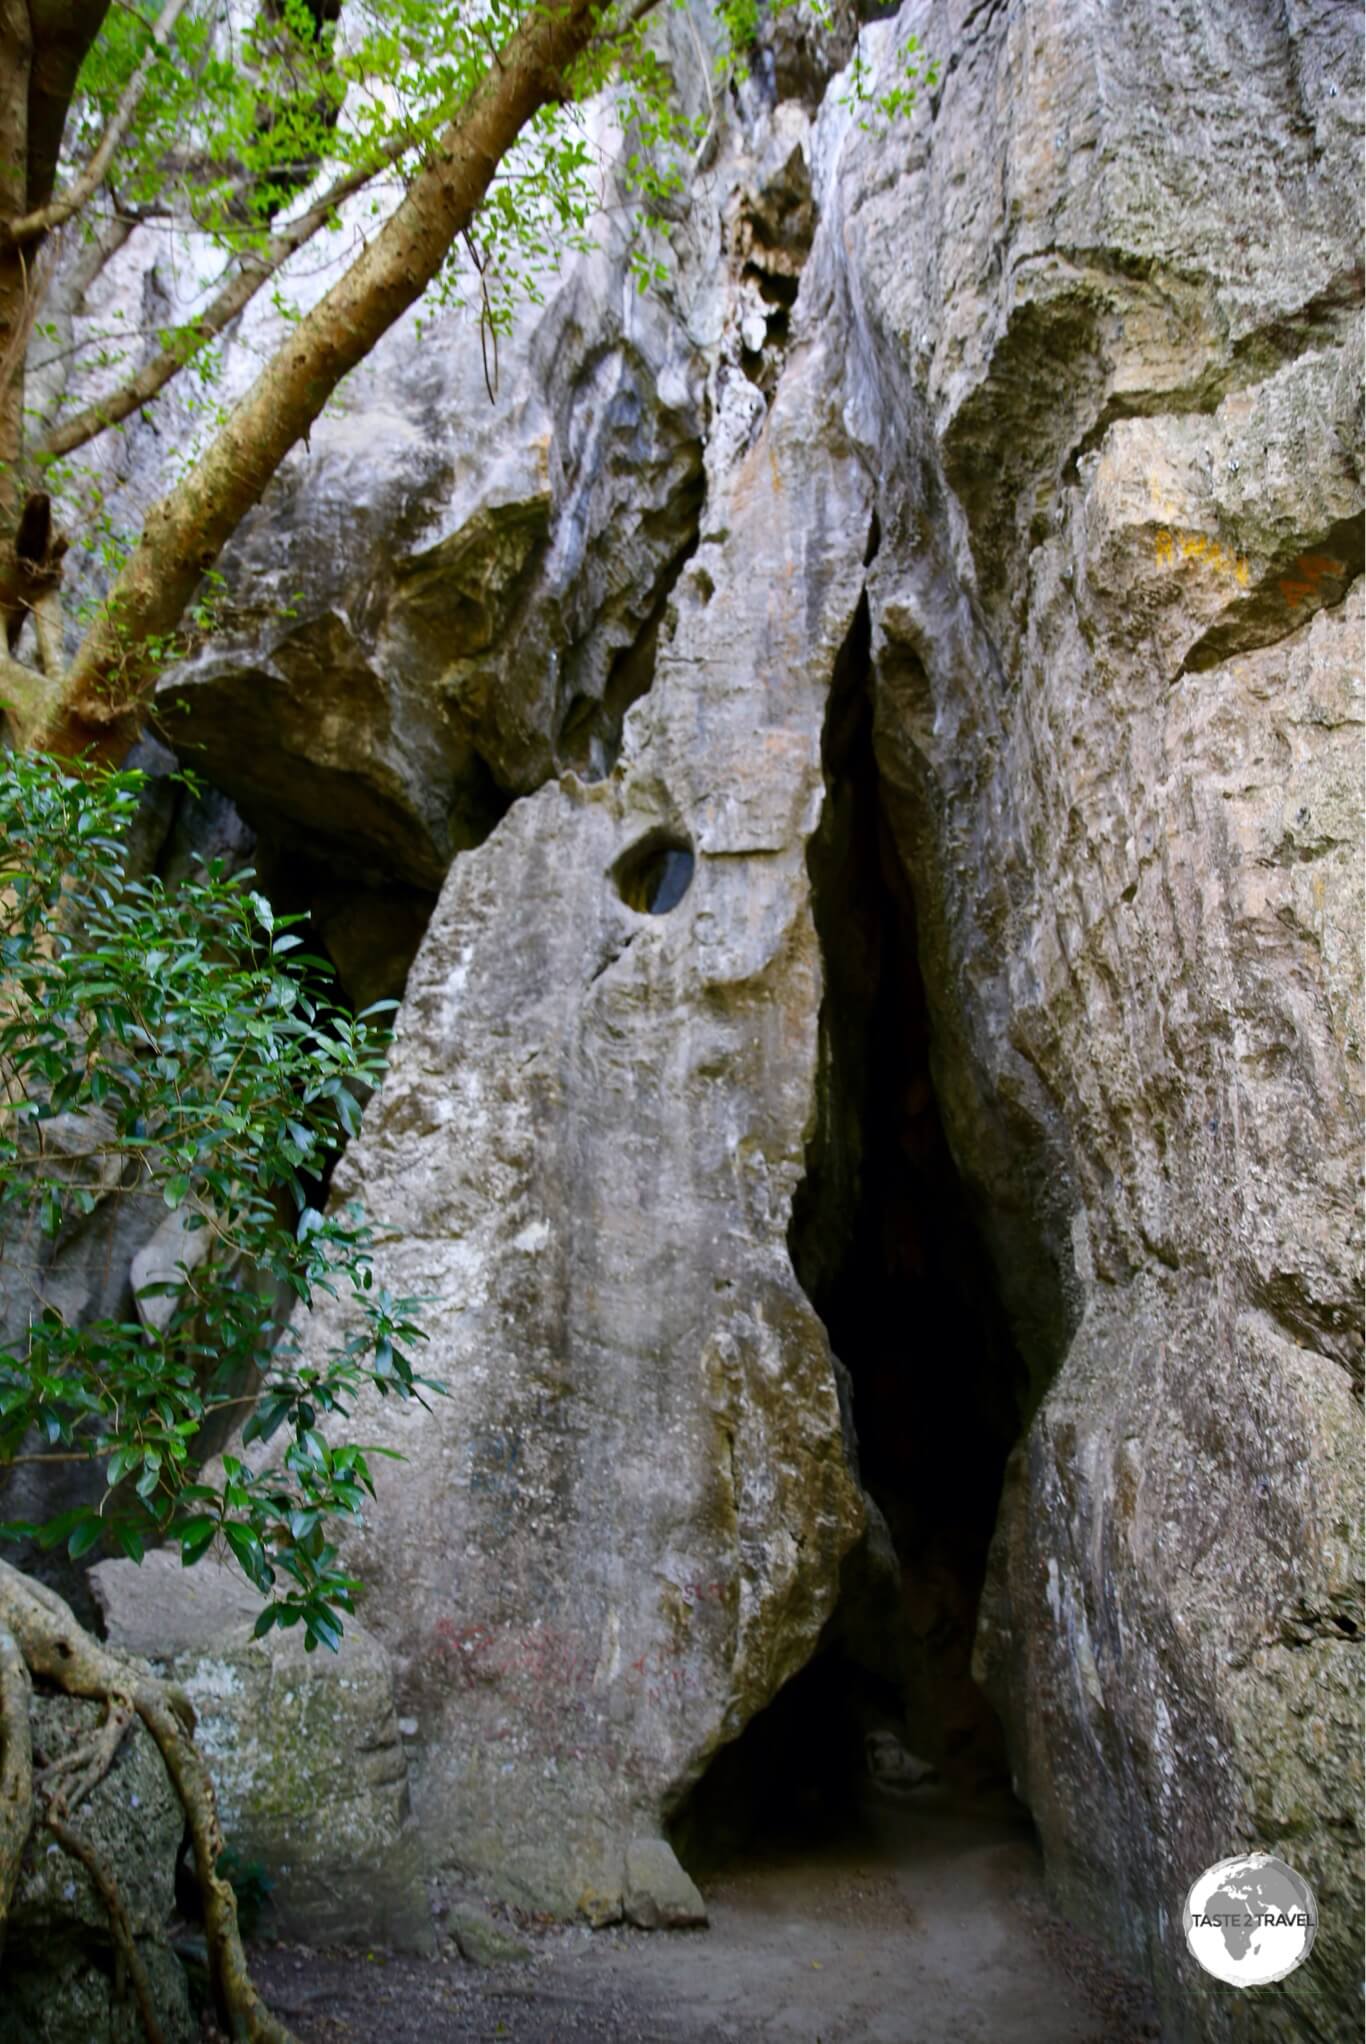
(256,267)
(84,187)
(113,674)
(58,1650)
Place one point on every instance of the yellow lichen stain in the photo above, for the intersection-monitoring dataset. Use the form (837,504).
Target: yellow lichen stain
(1171,545)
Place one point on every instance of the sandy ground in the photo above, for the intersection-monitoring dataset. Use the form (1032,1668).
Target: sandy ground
(917,1922)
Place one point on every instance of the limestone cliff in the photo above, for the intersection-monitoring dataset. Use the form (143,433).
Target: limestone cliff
(1032,424)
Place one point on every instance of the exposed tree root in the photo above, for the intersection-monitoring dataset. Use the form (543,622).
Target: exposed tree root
(79,1848)
(89,1762)
(16,1768)
(51,1644)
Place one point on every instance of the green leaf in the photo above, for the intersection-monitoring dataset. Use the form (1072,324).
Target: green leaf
(245,1543)
(195,1538)
(218,1073)
(84,1537)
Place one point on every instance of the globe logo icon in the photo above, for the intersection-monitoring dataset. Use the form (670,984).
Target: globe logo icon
(1250,1921)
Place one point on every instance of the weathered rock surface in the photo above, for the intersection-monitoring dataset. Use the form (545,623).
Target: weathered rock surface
(1104,312)
(657,1894)
(622,1529)
(1108,416)
(453,589)
(304,1749)
(61,1981)
(1062,375)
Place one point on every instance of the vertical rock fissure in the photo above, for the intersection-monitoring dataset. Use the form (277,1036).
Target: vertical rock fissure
(933,1389)
(590,730)
(884,1241)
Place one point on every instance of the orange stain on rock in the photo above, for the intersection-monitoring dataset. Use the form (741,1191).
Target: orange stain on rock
(1305,576)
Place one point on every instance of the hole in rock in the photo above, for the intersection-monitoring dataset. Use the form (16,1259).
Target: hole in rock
(654,875)
(884,1726)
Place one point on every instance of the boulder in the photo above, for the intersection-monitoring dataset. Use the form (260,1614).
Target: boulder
(621,1530)
(481,1938)
(64,1981)
(657,1894)
(304,1749)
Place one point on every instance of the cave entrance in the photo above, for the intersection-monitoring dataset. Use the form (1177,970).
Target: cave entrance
(884,1240)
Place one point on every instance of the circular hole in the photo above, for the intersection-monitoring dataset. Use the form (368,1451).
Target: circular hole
(654,875)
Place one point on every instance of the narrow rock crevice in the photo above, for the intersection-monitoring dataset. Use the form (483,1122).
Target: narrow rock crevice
(933,1387)
(589,740)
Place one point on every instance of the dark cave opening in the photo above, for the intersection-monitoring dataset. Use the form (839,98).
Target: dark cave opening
(884,1241)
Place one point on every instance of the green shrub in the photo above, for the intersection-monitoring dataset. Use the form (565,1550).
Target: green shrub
(176,1043)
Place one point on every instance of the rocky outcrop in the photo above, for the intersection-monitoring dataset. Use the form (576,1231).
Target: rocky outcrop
(304,1749)
(1042,406)
(65,1979)
(453,589)
(621,1528)
(1104,303)
(1105,407)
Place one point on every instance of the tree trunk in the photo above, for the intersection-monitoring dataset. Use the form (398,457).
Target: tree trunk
(16,53)
(101,703)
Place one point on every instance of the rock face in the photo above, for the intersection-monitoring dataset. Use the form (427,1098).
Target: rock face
(1104,309)
(1083,334)
(1042,408)
(622,1529)
(454,588)
(61,1967)
(304,1749)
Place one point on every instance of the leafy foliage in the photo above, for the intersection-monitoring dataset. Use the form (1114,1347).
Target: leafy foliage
(250,112)
(171,1047)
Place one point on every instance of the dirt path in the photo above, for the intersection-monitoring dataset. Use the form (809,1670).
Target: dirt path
(919,1923)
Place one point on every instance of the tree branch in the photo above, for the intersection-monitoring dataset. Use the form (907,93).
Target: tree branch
(615,37)
(113,674)
(84,187)
(256,268)
(87,1762)
(79,1848)
(59,1650)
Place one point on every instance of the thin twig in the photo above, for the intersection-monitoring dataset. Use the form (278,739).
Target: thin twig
(486,322)
(255,268)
